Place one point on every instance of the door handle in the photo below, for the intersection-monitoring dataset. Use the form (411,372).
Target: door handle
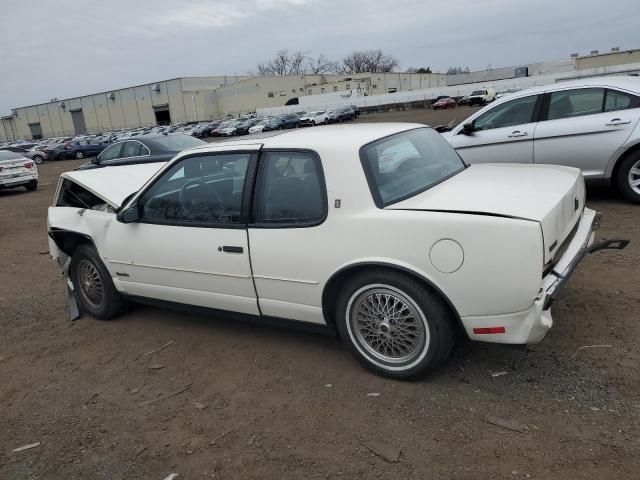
(617,121)
(518,133)
(230,249)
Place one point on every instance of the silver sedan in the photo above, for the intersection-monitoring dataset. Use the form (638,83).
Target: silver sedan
(592,124)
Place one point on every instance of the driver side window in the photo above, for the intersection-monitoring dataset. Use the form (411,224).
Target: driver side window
(204,189)
(509,114)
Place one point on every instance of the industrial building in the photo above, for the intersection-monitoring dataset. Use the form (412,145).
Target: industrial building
(191,99)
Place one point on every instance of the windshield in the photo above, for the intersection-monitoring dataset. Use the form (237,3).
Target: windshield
(479,92)
(405,164)
(178,142)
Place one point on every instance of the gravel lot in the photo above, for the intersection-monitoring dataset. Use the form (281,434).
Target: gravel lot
(259,402)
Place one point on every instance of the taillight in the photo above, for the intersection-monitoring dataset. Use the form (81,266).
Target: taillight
(28,165)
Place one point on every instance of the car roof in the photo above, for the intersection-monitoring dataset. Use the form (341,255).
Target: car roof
(340,136)
(626,83)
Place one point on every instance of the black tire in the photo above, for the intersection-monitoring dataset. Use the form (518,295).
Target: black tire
(38,159)
(326,121)
(110,304)
(32,185)
(624,176)
(79,155)
(433,317)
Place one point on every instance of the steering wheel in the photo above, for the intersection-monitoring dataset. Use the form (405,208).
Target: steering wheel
(199,205)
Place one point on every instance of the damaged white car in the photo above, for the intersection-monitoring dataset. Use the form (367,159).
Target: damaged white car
(380,231)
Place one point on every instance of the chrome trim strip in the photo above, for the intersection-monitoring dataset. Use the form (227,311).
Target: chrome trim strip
(280,279)
(173,269)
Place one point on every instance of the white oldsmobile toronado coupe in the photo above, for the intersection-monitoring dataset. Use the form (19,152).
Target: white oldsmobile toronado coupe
(380,231)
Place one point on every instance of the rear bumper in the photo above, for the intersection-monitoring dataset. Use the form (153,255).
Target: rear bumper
(18,181)
(531,325)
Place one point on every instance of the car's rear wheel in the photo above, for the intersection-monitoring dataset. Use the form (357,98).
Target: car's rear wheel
(93,286)
(79,155)
(32,185)
(394,325)
(38,159)
(628,177)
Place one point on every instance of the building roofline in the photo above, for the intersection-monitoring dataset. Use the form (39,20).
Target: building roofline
(629,50)
(122,88)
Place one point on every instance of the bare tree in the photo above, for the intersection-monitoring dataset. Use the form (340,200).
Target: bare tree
(321,65)
(362,61)
(284,63)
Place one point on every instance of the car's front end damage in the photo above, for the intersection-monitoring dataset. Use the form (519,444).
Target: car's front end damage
(85,204)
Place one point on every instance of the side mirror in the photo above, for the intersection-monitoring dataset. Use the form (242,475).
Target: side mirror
(96,160)
(468,128)
(130,214)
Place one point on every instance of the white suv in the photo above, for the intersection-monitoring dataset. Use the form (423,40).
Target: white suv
(591,124)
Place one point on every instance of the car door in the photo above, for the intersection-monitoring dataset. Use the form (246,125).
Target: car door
(288,220)
(190,243)
(503,133)
(583,127)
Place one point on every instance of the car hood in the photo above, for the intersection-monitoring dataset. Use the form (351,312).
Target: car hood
(113,184)
(552,195)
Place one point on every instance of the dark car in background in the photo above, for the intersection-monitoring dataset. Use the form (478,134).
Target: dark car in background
(203,130)
(341,115)
(83,148)
(57,152)
(143,149)
(243,128)
(290,120)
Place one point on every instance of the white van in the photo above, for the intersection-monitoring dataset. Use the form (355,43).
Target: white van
(482,96)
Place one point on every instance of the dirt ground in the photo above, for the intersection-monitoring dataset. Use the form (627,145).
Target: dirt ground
(260,402)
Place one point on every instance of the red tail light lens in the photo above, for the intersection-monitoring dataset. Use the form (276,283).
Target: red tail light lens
(28,165)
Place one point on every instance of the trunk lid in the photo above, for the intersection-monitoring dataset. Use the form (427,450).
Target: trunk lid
(552,195)
(14,168)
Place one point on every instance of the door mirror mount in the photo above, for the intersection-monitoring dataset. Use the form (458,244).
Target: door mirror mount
(468,128)
(130,214)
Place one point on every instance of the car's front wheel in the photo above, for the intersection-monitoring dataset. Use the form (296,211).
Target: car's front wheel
(93,286)
(79,155)
(628,177)
(393,324)
(38,159)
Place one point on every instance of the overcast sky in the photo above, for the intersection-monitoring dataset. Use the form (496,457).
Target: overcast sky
(65,48)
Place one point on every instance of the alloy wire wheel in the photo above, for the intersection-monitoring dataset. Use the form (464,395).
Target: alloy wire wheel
(387,324)
(394,324)
(90,283)
(79,155)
